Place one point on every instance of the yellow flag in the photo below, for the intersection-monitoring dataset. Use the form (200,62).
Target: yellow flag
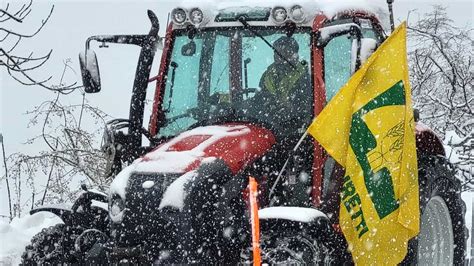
(368,128)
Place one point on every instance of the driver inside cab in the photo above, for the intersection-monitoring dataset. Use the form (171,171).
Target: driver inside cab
(285,87)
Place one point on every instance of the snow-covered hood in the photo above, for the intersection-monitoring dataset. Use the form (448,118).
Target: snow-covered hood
(236,144)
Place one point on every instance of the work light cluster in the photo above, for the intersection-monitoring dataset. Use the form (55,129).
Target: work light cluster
(279,15)
(295,13)
(180,16)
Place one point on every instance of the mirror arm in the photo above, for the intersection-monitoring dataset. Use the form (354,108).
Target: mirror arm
(139,40)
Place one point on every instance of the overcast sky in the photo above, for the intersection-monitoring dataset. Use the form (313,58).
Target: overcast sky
(72,22)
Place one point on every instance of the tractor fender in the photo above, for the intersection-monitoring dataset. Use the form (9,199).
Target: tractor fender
(427,142)
(275,222)
(284,218)
(63,212)
(298,214)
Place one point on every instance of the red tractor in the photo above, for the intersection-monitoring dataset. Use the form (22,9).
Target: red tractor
(235,91)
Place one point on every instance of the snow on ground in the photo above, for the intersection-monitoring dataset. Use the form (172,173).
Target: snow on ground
(16,235)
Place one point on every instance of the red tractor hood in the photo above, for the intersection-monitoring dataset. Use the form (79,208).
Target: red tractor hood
(236,144)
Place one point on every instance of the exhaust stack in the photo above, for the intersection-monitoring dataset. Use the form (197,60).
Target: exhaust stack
(390,10)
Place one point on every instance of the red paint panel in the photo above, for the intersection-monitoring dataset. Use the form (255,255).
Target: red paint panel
(193,166)
(319,102)
(160,81)
(239,151)
(188,143)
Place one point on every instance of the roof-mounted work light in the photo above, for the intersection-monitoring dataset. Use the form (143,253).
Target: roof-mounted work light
(297,14)
(179,16)
(279,14)
(196,16)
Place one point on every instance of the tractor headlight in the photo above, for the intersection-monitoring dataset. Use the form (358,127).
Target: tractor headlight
(297,14)
(196,16)
(178,15)
(116,207)
(279,14)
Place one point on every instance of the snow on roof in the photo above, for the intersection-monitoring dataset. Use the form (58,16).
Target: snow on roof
(328,7)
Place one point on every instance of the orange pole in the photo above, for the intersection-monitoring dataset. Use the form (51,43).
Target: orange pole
(253,192)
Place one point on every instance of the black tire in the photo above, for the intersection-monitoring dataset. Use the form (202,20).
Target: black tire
(48,247)
(293,248)
(437,179)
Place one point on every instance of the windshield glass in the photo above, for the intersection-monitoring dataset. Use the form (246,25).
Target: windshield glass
(233,75)
(338,54)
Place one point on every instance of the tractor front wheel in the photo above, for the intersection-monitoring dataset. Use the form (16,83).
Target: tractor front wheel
(293,248)
(48,247)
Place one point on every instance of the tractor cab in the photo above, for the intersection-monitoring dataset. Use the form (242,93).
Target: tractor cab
(235,73)
(256,64)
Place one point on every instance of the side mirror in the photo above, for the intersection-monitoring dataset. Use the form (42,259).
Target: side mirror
(189,49)
(90,71)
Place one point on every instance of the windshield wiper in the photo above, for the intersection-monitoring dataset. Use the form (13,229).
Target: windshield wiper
(247,26)
(174,65)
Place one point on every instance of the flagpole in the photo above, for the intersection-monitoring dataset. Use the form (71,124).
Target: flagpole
(298,144)
(301,140)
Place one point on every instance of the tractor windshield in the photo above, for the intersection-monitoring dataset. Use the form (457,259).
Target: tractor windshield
(225,75)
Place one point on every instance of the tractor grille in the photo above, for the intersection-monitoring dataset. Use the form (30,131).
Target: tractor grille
(141,219)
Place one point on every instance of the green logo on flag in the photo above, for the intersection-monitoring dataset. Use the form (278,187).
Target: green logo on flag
(378,183)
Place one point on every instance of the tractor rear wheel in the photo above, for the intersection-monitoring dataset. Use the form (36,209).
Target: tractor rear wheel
(443,234)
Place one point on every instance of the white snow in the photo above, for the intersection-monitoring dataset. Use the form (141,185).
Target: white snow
(299,214)
(454,151)
(63,206)
(148,184)
(119,183)
(367,48)
(176,193)
(16,235)
(326,32)
(100,204)
(167,162)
